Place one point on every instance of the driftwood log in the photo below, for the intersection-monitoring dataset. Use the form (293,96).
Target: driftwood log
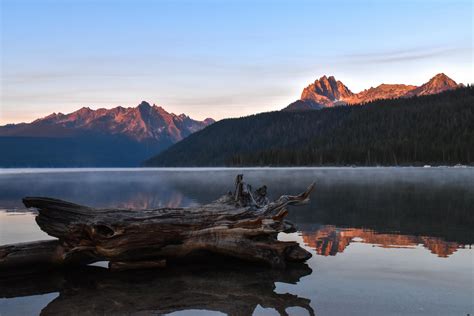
(242,224)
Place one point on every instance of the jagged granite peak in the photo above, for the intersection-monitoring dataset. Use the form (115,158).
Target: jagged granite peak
(144,122)
(144,106)
(328,92)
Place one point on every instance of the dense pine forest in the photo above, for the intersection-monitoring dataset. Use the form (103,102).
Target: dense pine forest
(435,129)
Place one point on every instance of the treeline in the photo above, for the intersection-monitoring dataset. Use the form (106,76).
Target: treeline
(436,129)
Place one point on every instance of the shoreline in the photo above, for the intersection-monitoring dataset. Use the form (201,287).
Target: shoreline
(144,169)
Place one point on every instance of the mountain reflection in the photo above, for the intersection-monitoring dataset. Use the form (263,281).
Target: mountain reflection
(143,200)
(228,288)
(330,240)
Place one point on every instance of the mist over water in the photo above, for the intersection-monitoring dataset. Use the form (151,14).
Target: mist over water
(106,187)
(397,238)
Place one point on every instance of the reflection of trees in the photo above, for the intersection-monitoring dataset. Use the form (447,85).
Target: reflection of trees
(329,240)
(229,288)
(424,210)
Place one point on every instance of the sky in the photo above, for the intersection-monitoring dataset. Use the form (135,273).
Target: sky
(219,58)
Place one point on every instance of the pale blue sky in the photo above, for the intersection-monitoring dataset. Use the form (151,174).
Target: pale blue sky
(219,58)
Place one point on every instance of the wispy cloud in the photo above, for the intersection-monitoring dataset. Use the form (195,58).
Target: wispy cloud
(405,55)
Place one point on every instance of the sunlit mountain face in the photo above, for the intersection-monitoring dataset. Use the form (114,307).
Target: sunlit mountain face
(330,240)
(329,92)
(116,137)
(137,123)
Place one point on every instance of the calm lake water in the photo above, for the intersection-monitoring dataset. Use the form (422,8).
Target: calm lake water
(385,241)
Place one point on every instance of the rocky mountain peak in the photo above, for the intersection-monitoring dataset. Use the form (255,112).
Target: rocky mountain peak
(144,105)
(441,79)
(84,110)
(325,91)
(441,75)
(437,84)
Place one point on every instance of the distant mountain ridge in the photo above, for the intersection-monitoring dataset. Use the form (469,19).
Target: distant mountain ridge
(138,123)
(96,136)
(122,137)
(328,92)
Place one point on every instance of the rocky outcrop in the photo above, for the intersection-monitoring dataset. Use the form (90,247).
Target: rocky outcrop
(383,91)
(326,91)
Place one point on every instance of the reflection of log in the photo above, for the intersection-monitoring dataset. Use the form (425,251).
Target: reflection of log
(244,225)
(228,288)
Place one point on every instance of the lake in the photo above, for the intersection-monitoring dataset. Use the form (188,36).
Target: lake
(385,241)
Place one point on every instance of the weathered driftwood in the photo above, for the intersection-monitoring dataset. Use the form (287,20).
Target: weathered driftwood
(225,287)
(243,224)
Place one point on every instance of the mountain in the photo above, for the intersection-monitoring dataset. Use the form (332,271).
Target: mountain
(144,122)
(89,137)
(383,91)
(432,129)
(437,84)
(328,92)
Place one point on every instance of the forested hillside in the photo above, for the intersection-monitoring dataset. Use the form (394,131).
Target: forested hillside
(433,129)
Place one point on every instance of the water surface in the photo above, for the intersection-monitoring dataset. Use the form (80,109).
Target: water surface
(385,241)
